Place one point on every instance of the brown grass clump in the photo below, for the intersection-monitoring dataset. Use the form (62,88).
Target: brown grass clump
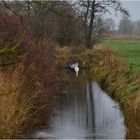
(68,55)
(13,111)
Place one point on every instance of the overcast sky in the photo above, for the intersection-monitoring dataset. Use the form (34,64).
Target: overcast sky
(134,9)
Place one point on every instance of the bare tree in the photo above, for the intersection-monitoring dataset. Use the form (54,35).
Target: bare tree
(91,10)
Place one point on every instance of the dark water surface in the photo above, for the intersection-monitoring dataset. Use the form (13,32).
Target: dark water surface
(83,111)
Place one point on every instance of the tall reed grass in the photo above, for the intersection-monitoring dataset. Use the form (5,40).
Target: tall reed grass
(25,89)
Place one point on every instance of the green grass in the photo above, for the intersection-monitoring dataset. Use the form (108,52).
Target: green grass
(127,50)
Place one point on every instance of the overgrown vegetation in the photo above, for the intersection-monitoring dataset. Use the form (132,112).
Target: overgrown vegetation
(122,84)
(24,76)
(66,56)
(23,91)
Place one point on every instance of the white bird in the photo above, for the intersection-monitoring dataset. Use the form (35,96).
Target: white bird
(74,67)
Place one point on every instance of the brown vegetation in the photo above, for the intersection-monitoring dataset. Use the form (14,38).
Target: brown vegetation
(25,88)
(25,85)
(122,84)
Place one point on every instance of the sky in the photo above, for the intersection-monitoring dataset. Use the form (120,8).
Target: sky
(134,9)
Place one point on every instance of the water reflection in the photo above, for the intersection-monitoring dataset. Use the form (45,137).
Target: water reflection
(84,111)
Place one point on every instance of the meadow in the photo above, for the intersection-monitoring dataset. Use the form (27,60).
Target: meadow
(127,50)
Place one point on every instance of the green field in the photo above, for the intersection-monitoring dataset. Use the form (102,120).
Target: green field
(127,50)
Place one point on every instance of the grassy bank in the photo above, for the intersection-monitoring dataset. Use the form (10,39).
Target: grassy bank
(121,84)
(127,50)
(125,83)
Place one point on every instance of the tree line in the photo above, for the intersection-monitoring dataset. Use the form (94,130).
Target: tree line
(128,27)
(66,22)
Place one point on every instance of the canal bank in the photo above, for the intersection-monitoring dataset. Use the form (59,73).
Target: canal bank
(121,84)
(114,77)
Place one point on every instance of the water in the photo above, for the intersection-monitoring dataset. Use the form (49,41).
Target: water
(83,111)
